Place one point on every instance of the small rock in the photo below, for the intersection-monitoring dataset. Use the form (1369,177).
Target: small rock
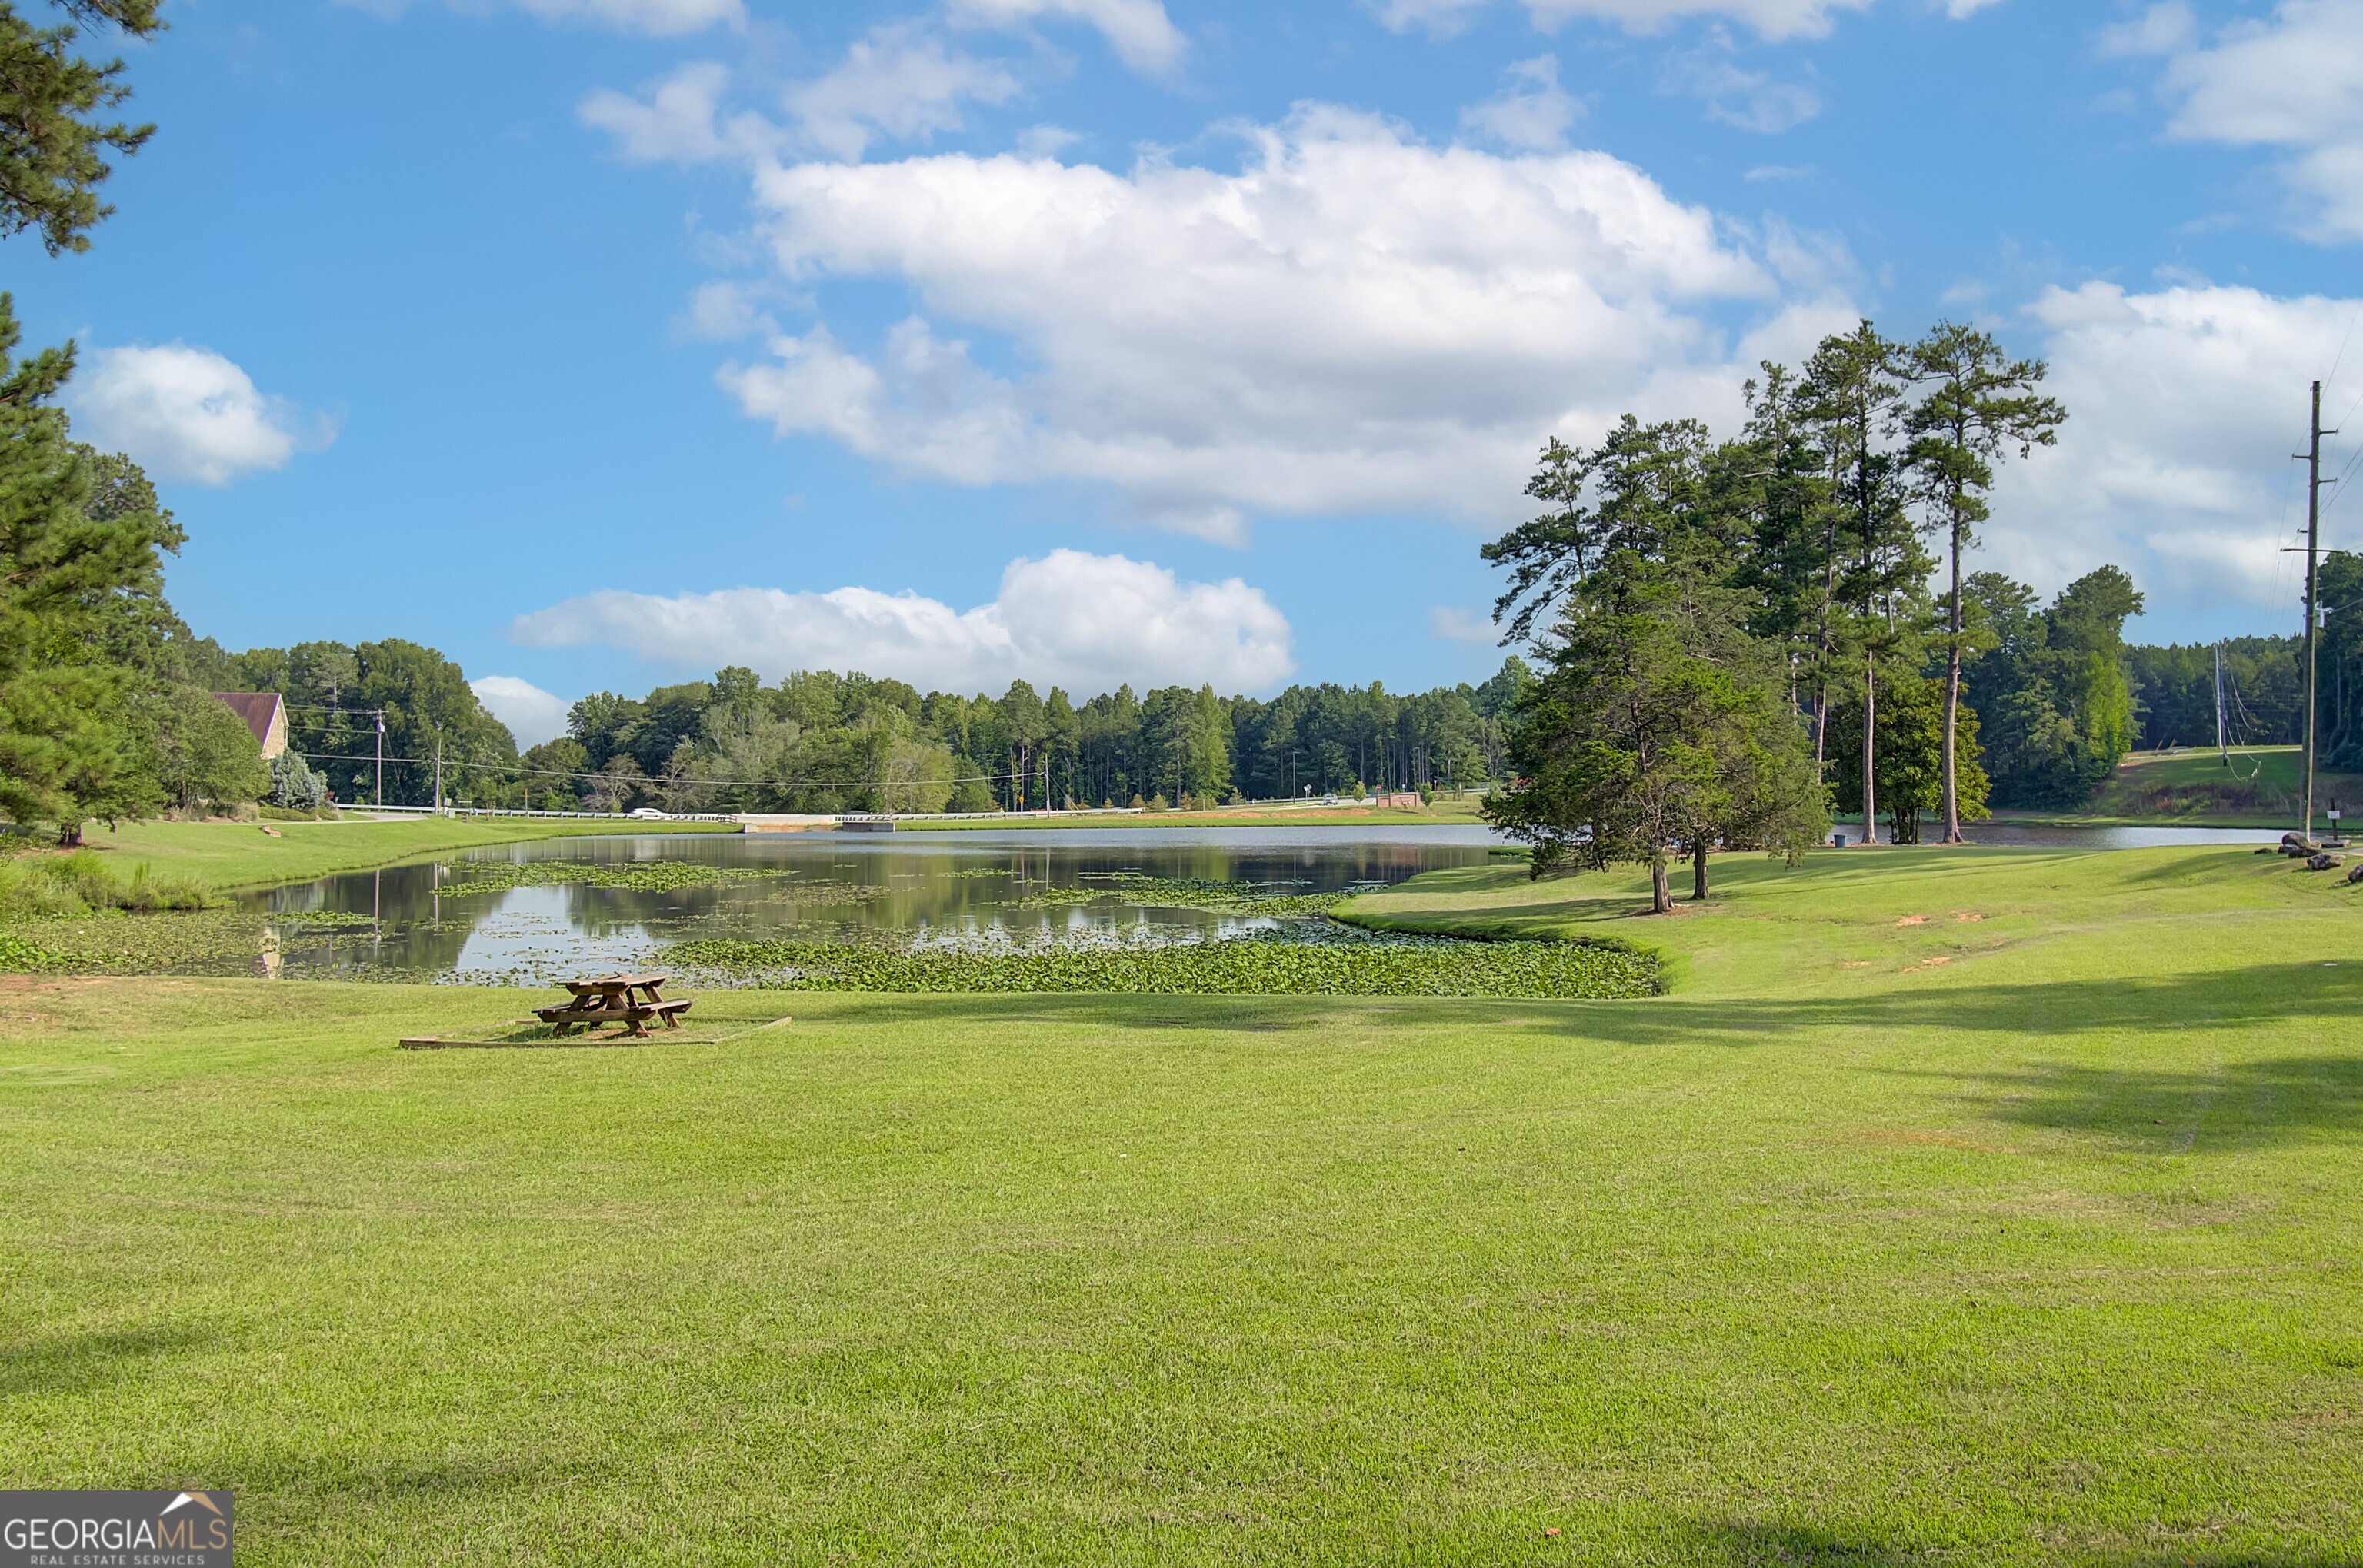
(2322,862)
(2355,874)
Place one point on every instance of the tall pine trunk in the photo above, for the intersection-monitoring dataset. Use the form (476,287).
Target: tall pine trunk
(1953,696)
(1661,898)
(1870,732)
(1697,869)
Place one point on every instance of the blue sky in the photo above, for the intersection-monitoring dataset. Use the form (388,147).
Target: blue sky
(598,342)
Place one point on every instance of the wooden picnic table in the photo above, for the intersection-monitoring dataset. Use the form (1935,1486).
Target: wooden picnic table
(628,999)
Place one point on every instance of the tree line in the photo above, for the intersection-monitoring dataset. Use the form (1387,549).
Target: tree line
(822,741)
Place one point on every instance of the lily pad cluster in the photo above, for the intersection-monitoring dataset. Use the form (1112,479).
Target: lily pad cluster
(1189,893)
(639,876)
(1245,967)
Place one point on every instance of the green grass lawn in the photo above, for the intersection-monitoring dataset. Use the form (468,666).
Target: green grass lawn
(2047,1252)
(229,856)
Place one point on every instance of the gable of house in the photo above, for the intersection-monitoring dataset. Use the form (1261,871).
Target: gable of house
(265,714)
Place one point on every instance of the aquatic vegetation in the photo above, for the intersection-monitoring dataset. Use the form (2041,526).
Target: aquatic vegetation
(473,877)
(210,942)
(1260,966)
(1191,893)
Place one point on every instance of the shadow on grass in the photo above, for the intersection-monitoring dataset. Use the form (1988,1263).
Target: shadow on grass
(1803,1545)
(78,1363)
(1757,1545)
(2259,994)
(2240,1105)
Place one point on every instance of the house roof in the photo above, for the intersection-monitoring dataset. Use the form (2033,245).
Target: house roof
(257,708)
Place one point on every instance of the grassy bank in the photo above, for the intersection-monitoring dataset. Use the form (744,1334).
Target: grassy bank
(228,856)
(2258,787)
(2041,1254)
(1864,919)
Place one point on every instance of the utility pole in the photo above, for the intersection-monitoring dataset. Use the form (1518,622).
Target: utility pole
(381,757)
(2313,483)
(438,773)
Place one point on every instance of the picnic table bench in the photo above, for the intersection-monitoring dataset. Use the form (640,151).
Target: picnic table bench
(628,999)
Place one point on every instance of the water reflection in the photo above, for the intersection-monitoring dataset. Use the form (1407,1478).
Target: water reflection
(926,890)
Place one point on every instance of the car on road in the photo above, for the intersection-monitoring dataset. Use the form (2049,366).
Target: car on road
(648,813)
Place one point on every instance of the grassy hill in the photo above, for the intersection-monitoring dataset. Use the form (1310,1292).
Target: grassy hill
(228,856)
(1959,1206)
(2258,786)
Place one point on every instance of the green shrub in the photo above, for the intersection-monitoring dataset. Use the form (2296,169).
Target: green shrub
(149,892)
(46,887)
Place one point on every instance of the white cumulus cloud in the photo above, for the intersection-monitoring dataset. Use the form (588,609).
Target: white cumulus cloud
(1353,322)
(2293,81)
(2183,406)
(532,714)
(1083,622)
(1139,31)
(181,413)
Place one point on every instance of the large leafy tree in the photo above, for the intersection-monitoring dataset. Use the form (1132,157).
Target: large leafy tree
(1614,746)
(2053,694)
(334,694)
(1979,403)
(1659,723)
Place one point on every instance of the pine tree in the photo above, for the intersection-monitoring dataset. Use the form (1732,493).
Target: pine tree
(1875,568)
(53,136)
(1980,402)
(81,607)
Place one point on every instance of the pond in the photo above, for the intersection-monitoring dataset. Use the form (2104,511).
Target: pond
(486,917)
(495,916)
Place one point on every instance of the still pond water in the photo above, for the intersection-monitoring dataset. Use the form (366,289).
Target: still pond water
(971,890)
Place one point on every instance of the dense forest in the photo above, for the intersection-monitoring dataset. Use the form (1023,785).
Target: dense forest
(823,742)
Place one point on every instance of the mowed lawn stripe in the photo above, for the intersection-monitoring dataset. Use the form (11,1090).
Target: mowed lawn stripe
(2043,1256)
